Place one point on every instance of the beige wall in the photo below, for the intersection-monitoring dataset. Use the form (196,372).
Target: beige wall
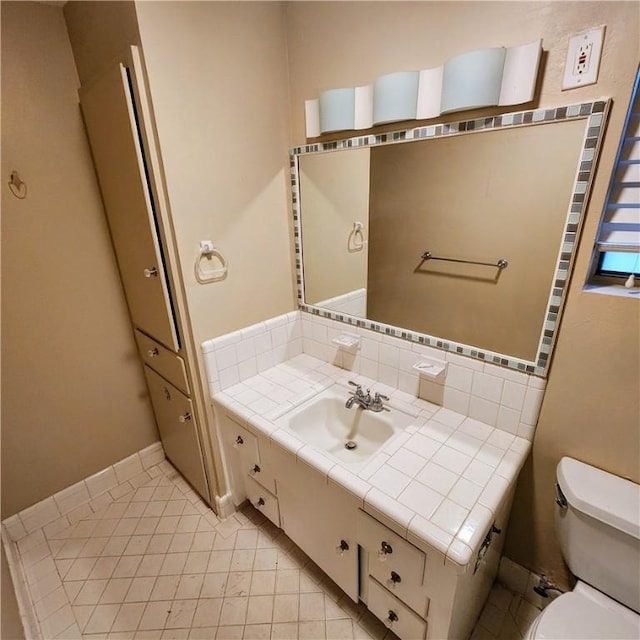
(218,82)
(591,406)
(334,194)
(73,396)
(99,33)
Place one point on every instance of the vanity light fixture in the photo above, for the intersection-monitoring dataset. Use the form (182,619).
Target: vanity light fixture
(497,76)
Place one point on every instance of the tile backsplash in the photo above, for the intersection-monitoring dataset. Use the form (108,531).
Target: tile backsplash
(503,398)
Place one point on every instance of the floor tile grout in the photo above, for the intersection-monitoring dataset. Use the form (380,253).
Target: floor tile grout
(157,563)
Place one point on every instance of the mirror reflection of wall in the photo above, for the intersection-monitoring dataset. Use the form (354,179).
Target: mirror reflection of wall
(483,197)
(495,194)
(335,190)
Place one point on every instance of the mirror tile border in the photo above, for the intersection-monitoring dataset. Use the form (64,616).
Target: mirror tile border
(595,114)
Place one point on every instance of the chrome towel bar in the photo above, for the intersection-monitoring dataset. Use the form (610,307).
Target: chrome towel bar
(501,264)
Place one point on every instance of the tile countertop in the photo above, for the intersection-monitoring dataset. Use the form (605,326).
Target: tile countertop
(437,483)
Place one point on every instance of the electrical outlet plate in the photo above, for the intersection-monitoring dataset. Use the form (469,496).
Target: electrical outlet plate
(583,59)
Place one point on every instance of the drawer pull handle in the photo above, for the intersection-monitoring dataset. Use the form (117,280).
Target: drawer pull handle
(393,616)
(394,579)
(385,550)
(166,393)
(238,441)
(151,273)
(260,502)
(185,417)
(342,547)
(152,353)
(256,469)
(484,547)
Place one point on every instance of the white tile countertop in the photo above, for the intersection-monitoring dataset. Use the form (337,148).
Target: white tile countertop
(439,482)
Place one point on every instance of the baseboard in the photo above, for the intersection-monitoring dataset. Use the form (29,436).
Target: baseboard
(27,613)
(225,506)
(80,500)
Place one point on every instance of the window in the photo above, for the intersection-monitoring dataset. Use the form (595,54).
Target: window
(617,250)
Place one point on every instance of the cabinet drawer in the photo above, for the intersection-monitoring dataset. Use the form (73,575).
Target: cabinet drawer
(168,364)
(251,462)
(409,591)
(395,614)
(262,500)
(389,549)
(178,429)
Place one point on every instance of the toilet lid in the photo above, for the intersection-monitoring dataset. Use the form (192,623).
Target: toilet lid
(574,616)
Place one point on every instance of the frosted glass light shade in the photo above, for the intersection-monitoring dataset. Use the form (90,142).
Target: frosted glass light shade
(363,117)
(395,97)
(520,73)
(337,108)
(472,80)
(429,93)
(312,118)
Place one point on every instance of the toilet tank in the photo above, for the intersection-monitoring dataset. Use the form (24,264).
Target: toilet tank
(598,527)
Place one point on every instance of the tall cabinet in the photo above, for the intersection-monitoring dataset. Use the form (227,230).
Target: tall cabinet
(119,125)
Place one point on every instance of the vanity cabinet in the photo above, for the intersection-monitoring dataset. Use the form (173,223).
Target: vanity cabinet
(418,592)
(413,588)
(393,563)
(119,126)
(251,468)
(320,517)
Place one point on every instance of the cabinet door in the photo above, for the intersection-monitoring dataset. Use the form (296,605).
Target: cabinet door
(178,430)
(110,117)
(320,518)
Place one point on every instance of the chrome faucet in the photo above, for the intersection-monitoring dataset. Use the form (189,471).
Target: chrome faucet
(365,400)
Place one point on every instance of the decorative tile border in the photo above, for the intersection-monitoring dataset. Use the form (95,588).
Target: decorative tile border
(596,115)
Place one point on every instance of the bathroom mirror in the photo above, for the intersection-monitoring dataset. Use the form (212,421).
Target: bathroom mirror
(459,236)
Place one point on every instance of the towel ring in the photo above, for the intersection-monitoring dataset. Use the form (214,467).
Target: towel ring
(215,275)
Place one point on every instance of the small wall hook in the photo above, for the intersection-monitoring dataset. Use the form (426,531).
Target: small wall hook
(355,240)
(17,186)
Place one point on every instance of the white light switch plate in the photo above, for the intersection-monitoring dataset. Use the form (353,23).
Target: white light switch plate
(583,59)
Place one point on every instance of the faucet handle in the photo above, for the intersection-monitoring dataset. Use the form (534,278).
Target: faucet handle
(377,403)
(357,386)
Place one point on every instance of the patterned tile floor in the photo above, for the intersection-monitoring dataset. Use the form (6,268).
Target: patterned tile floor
(506,616)
(156,563)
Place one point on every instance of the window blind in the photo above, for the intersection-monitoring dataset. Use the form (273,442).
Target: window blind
(620,226)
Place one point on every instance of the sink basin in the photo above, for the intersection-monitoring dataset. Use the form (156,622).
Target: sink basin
(350,435)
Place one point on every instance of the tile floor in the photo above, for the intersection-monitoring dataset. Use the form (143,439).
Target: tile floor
(156,563)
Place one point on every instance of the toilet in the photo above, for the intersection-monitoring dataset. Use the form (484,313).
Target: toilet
(598,526)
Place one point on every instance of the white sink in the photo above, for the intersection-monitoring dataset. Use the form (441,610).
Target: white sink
(326,424)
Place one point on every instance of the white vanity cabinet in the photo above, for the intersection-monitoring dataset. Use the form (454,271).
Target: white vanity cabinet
(393,563)
(416,590)
(320,517)
(251,468)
